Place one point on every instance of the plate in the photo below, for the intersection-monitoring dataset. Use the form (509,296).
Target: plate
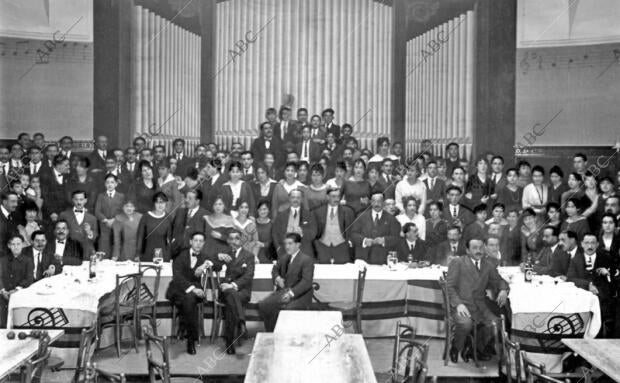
(46,292)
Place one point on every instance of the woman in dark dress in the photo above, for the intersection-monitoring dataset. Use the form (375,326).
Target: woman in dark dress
(81,180)
(154,231)
(144,188)
(479,187)
(236,190)
(512,194)
(531,238)
(436,226)
(266,252)
(356,190)
(217,227)
(317,190)
(574,220)
(264,185)
(373,181)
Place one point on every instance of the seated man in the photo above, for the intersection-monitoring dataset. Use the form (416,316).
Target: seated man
(292,275)
(16,273)
(66,251)
(597,272)
(412,247)
(295,219)
(447,250)
(42,258)
(492,253)
(468,279)
(236,288)
(185,290)
(551,259)
(374,233)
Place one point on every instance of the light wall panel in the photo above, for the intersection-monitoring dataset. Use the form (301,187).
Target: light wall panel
(440,91)
(323,53)
(165,81)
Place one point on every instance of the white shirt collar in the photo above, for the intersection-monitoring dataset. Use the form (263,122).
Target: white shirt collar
(573,252)
(294,255)
(214,178)
(58,175)
(409,243)
(554,247)
(4,211)
(377,214)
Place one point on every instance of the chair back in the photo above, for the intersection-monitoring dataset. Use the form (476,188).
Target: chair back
(94,375)
(530,366)
(88,339)
(210,282)
(409,361)
(361,282)
(149,291)
(534,376)
(510,355)
(443,283)
(157,357)
(126,293)
(33,369)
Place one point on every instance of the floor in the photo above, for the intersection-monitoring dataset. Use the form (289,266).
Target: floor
(211,362)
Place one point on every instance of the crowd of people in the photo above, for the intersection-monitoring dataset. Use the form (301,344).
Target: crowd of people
(303,184)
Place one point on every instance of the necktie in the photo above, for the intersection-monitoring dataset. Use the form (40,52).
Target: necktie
(179,156)
(190,213)
(411,248)
(432,183)
(305,151)
(376,219)
(494,179)
(331,214)
(454,214)
(294,213)
(589,265)
(118,169)
(283,129)
(110,194)
(477,264)
(453,249)
(246,172)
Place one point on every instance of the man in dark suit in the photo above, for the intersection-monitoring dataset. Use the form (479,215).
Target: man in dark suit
(307,149)
(435,187)
(54,188)
(287,130)
(267,141)
(597,272)
(411,247)
(236,288)
(41,257)
(185,290)
(292,276)
(98,156)
(8,224)
(498,179)
(551,259)
(16,274)
(328,123)
(66,251)
(66,147)
(247,161)
(454,212)
(468,279)
(109,205)
(212,187)
(333,222)
(295,219)
(187,220)
(374,233)
(388,179)
(35,165)
(183,162)
(83,226)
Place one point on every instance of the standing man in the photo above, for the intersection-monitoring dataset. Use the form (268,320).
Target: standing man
(468,279)
(292,276)
(82,225)
(333,222)
(54,188)
(98,156)
(374,233)
(236,289)
(307,149)
(295,219)
(247,161)
(8,223)
(183,162)
(268,142)
(328,123)
(435,187)
(109,205)
(187,220)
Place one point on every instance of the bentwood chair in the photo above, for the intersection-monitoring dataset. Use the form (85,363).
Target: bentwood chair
(96,375)
(33,369)
(88,339)
(409,358)
(148,294)
(530,366)
(347,308)
(158,360)
(211,283)
(509,356)
(125,310)
(535,376)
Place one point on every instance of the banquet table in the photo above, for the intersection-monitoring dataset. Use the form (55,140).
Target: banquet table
(309,358)
(542,312)
(15,352)
(602,354)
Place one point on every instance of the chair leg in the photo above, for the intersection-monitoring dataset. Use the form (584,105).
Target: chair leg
(358,321)
(215,324)
(475,345)
(154,319)
(117,339)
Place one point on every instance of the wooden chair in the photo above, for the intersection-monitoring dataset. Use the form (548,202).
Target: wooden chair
(353,308)
(530,366)
(158,360)
(148,294)
(125,310)
(96,375)
(534,376)
(507,351)
(450,326)
(32,370)
(211,282)
(88,339)
(409,353)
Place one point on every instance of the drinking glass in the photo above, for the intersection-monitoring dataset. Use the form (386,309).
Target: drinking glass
(158,257)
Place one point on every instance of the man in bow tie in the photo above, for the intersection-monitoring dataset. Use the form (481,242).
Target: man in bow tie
(83,225)
(236,289)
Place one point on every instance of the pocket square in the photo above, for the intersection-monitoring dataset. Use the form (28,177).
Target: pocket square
(244,265)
